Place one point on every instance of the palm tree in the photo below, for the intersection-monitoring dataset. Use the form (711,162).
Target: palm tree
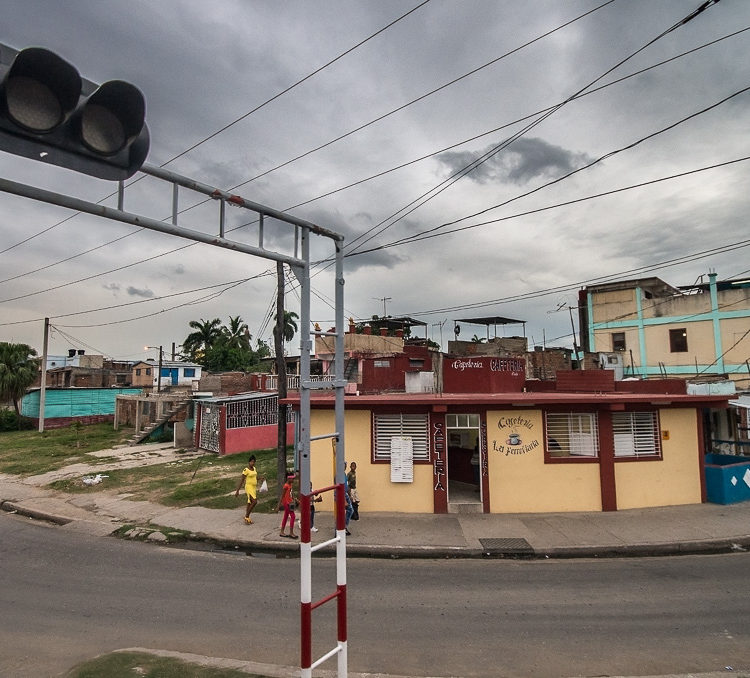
(290,325)
(205,335)
(237,334)
(18,370)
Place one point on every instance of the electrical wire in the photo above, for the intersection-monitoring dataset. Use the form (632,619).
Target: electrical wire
(234,122)
(296,84)
(422,97)
(358,238)
(459,174)
(680,23)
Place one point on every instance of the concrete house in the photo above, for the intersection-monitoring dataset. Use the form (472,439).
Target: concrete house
(653,329)
(497,443)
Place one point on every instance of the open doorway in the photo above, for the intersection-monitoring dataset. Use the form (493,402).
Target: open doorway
(464,486)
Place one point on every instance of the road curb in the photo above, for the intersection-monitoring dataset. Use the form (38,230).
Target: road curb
(12,507)
(395,552)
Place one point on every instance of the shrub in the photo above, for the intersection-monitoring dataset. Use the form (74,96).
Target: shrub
(10,421)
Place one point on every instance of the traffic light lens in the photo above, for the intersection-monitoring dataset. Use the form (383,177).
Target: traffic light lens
(33,105)
(101,130)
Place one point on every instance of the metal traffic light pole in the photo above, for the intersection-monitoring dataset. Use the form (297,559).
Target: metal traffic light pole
(49,113)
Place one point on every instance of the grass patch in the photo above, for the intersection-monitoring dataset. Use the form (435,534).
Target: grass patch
(27,453)
(208,481)
(129,664)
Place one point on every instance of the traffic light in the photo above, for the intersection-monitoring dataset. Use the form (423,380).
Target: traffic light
(48,112)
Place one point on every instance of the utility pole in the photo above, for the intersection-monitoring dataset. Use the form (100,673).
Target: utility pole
(440,325)
(158,378)
(278,336)
(575,341)
(43,389)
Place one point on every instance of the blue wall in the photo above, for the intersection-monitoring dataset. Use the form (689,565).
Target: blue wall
(74,402)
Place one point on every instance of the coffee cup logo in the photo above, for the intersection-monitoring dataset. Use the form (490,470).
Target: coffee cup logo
(514,439)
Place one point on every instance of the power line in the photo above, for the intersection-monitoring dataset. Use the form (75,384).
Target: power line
(459,174)
(229,284)
(506,125)
(134,264)
(351,243)
(422,97)
(234,122)
(430,233)
(296,84)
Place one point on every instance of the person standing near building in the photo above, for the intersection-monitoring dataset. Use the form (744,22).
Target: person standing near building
(250,480)
(287,502)
(351,479)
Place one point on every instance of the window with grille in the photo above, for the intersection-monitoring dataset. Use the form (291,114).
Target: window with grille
(414,426)
(618,341)
(572,434)
(255,412)
(636,434)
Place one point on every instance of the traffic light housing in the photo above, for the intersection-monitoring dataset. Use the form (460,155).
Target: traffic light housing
(48,112)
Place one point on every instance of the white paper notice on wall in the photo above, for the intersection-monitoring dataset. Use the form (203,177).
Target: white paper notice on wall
(402,460)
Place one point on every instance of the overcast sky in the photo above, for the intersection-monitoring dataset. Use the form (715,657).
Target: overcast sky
(444,88)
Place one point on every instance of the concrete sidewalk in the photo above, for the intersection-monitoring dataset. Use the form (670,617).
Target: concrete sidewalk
(669,530)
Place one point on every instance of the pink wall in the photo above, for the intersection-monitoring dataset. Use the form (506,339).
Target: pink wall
(254,438)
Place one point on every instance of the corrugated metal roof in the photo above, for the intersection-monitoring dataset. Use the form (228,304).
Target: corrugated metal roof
(74,402)
(249,395)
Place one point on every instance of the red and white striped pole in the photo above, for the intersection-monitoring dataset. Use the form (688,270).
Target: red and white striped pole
(306,604)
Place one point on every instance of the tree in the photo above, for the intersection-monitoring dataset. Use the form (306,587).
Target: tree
(224,348)
(18,370)
(237,333)
(205,335)
(290,325)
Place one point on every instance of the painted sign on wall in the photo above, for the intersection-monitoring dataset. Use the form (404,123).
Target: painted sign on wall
(517,435)
(483,374)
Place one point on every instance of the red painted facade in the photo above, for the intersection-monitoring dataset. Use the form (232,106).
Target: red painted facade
(388,372)
(483,374)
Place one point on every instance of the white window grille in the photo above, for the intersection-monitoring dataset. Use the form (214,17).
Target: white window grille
(255,412)
(636,434)
(572,434)
(414,426)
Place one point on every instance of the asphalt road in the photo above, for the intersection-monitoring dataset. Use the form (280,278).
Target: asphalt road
(66,597)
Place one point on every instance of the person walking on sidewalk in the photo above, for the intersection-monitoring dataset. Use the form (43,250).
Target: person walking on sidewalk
(287,501)
(250,479)
(349,508)
(351,479)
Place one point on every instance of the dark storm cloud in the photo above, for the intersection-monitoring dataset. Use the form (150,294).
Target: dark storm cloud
(524,160)
(135,292)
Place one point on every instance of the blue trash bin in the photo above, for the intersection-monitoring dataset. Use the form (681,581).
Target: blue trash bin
(727,478)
